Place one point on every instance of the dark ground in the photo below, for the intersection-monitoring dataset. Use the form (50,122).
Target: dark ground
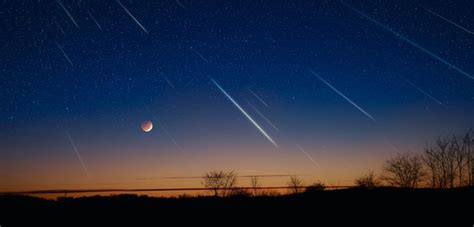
(383,206)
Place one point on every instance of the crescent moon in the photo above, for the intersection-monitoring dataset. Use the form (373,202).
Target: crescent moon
(147,126)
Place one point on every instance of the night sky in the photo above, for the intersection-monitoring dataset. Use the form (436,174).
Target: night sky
(322,89)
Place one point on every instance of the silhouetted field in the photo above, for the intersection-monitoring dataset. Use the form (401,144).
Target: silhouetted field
(393,205)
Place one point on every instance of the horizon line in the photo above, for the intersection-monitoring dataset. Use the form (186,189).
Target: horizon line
(243,176)
(58,191)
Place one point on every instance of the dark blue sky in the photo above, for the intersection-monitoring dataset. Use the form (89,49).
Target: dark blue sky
(408,64)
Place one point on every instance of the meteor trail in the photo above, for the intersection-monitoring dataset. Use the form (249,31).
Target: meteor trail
(155,120)
(425,93)
(307,155)
(449,21)
(68,14)
(71,141)
(64,53)
(258,97)
(263,116)
(406,40)
(168,81)
(180,4)
(133,17)
(200,55)
(391,145)
(245,113)
(60,28)
(168,134)
(345,97)
(95,21)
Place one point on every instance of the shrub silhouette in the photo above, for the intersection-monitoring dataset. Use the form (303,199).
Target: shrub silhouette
(367,181)
(315,187)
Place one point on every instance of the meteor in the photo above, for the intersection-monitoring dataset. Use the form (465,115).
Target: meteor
(200,55)
(245,113)
(133,17)
(263,116)
(168,81)
(76,151)
(414,44)
(180,4)
(163,128)
(68,14)
(343,96)
(60,28)
(425,93)
(258,97)
(64,54)
(307,155)
(95,21)
(449,21)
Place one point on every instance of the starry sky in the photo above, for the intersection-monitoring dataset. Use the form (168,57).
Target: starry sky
(326,90)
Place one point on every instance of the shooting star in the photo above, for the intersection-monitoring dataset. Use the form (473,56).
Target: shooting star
(433,55)
(245,113)
(391,145)
(95,21)
(343,96)
(76,151)
(133,17)
(200,55)
(168,134)
(180,4)
(263,116)
(426,93)
(258,97)
(68,14)
(449,21)
(155,120)
(60,28)
(64,54)
(168,81)
(307,155)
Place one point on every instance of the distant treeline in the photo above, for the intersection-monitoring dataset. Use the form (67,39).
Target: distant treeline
(447,163)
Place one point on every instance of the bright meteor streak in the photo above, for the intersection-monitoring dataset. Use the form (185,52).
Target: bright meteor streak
(133,17)
(406,40)
(245,113)
(68,14)
(345,97)
(71,141)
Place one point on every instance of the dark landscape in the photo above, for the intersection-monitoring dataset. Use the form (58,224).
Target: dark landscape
(353,205)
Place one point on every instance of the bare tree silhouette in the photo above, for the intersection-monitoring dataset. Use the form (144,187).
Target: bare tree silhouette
(220,182)
(405,170)
(469,146)
(449,161)
(368,181)
(295,185)
(465,159)
(255,184)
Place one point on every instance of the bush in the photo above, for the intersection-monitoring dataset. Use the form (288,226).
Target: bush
(316,187)
(367,181)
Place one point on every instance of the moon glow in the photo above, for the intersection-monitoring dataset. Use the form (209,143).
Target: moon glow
(147,126)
